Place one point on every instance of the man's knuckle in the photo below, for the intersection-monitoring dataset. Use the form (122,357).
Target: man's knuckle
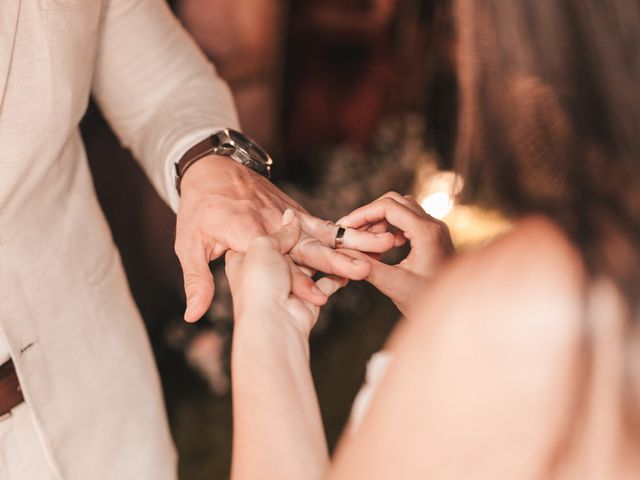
(388,202)
(327,224)
(246,206)
(388,194)
(263,242)
(251,232)
(327,230)
(394,195)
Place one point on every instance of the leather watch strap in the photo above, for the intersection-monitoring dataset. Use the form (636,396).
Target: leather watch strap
(191,156)
(228,143)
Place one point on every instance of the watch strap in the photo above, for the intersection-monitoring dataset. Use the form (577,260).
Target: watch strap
(191,156)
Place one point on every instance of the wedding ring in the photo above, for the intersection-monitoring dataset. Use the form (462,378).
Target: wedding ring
(339,243)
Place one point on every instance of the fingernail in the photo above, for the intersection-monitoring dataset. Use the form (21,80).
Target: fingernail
(316,291)
(287,217)
(331,289)
(383,235)
(357,261)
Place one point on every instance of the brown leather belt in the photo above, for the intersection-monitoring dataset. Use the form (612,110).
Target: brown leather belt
(10,391)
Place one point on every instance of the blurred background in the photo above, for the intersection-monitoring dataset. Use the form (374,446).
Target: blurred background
(352,98)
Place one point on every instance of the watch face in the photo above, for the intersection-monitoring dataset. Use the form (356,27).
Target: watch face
(243,156)
(245,150)
(239,147)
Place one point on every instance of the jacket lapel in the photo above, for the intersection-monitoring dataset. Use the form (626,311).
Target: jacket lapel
(8,23)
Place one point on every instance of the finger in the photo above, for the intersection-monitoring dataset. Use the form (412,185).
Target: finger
(393,195)
(435,232)
(387,278)
(413,204)
(331,284)
(390,280)
(289,233)
(310,272)
(407,200)
(378,227)
(198,283)
(303,286)
(363,216)
(313,254)
(265,268)
(388,209)
(383,226)
(397,284)
(322,230)
(365,241)
(410,202)
(326,232)
(399,239)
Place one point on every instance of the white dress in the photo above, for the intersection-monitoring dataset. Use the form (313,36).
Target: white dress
(376,369)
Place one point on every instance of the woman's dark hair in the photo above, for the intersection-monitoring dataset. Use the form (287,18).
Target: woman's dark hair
(550,123)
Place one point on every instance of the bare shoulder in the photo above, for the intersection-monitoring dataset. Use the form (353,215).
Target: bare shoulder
(538,247)
(526,287)
(487,363)
(535,254)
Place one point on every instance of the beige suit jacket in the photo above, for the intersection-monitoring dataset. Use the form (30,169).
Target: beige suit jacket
(66,314)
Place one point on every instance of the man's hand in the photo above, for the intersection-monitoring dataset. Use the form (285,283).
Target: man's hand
(225,205)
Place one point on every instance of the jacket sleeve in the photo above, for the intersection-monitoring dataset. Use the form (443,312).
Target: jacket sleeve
(156,88)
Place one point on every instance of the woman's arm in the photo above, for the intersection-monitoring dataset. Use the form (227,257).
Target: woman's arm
(278,430)
(480,386)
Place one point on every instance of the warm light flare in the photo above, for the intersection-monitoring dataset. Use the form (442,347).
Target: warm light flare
(470,226)
(438,204)
(437,191)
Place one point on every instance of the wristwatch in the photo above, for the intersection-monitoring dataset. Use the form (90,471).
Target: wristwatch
(227,143)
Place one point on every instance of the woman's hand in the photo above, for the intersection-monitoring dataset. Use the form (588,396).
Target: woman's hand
(430,246)
(263,281)
(277,426)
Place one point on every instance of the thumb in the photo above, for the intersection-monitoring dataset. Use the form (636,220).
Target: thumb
(391,280)
(289,233)
(198,284)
